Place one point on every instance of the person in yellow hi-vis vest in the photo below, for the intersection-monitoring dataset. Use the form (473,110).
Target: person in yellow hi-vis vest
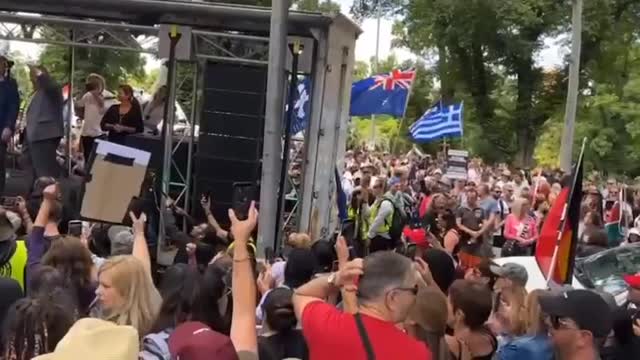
(13,253)
(359,220)
(381,216)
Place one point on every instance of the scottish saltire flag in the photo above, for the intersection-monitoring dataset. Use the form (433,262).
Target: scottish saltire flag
(385,94)
(438,122)
(301,107)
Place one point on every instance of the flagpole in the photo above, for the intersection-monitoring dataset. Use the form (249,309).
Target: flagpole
(394,141)
(375,71)
(404,113)
(462,124)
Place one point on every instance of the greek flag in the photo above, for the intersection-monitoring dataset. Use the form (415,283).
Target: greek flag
(438,122)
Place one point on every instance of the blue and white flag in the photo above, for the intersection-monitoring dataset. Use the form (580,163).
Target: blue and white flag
(301,107)
(438,122)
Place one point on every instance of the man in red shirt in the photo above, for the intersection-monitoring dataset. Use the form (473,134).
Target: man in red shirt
(387,286)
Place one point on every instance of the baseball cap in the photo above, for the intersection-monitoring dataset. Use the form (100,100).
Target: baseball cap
(511,271)
(196,341)
(394,181)
(588,309)
(633,281)
(121,239)
(98,340)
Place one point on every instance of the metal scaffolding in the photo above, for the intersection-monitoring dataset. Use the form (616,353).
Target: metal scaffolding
(221,32)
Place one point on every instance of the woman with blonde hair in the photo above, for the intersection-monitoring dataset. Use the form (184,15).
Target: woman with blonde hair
(520,230)
(521,318)
(126,294)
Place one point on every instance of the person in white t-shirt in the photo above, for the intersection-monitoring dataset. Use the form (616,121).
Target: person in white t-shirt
(93,103)
(519,183)
(153,113)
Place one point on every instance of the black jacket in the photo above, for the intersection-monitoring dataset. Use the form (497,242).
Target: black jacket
(9,103)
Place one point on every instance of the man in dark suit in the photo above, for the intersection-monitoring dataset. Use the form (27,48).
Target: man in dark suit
(45,125)
(9,108)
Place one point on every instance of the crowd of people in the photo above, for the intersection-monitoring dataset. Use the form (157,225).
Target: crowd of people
(409,275)
(492,211)
(64,296)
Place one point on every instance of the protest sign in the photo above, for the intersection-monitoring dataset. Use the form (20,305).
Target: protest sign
(457,164)
(115,178)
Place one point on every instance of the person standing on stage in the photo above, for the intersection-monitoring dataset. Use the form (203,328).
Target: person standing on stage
(123,119)
(45,125)
(93,103)
(153,113)
(9,108)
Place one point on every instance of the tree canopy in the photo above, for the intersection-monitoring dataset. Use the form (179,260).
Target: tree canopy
(484,53)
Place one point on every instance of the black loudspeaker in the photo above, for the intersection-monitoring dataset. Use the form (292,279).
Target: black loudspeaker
(231,131)
(155,145)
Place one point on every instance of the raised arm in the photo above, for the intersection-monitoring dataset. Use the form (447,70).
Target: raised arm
(21,206)
(140,247)
(349,298)
(322,287)
(205,202)
(35,242)
(243,324)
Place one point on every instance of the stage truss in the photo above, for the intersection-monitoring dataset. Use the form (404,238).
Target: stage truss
(124,27)
(207,45)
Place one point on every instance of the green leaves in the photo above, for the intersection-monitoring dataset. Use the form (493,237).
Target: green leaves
(485,51)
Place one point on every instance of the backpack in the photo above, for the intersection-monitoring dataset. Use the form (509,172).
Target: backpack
(399,220)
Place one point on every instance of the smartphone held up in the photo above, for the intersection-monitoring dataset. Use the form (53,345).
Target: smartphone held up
(243,194)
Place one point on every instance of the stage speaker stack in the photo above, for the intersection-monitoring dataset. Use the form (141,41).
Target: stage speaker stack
(231,133)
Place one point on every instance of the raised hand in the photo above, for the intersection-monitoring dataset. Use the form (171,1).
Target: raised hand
(265,280)
(21,205)
(205,202)
(138,222)
(423,269)
(346,277)
(191,249)
(50,192)
(342,251)
(242,230)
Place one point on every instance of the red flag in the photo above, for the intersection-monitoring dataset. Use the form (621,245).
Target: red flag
(560,230)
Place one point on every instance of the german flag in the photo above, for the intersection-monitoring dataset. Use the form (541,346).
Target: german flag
(559,234)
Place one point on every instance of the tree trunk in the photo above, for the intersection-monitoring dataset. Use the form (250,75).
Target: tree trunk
(447,92)
(526,124)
